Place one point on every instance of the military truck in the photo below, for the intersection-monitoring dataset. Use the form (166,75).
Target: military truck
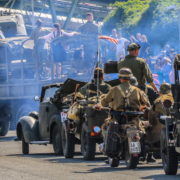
(170,135)
(19,78)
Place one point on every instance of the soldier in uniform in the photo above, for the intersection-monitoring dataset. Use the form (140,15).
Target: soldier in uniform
(138,66)
(152,95)
(89,32)
(125,97)
(153,132)
(90,89)
(157,110)
(136,98)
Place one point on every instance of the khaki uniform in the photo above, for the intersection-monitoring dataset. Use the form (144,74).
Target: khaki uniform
(90,89)
(115,97)
(153,135)
(139,68)
(116,100)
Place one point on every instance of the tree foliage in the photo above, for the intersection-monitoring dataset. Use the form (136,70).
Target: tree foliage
(126,14)
(156,18)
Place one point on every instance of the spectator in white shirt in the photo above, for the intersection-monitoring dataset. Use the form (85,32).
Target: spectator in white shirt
(121,47)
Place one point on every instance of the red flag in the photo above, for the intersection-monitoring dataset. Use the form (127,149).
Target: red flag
(115,41)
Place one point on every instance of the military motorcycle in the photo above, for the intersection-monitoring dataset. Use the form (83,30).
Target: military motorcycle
(170,135)
(84,130)
(122,139)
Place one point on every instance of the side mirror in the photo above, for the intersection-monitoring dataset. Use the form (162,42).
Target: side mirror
(36,98)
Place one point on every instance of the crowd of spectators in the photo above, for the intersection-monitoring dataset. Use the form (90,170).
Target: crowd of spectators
(159,60)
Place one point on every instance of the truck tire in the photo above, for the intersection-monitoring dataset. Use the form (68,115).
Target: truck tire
(25,146)
(57,140)
(130,160)
(4,128)
(68,143)
(88,145)
(169,155)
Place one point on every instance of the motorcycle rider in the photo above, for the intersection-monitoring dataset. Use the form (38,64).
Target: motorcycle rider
(153,132)
(125,96)
(157,110)
(136,99)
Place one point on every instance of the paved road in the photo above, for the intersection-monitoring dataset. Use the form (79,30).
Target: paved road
(42,164)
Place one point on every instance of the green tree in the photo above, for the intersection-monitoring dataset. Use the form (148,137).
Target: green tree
(156,18)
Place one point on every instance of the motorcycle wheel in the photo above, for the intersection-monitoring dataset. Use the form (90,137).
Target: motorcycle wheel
(113,162)
(169,155)
(130,160)
(68,143)
(88,145)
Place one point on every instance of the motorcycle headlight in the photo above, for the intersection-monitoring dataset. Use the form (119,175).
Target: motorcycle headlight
(167,103)
(96,129)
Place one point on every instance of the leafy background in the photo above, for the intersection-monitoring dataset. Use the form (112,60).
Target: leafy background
(158,19)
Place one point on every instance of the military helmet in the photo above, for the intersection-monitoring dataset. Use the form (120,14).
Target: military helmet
(133,81)
(125,73)
(98,72)
(165,88)
(133,46)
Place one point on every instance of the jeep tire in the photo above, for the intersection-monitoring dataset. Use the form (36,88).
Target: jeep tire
(68,142)
(57,140)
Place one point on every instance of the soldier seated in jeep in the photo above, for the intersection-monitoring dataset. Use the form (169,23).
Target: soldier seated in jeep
(97,86)
(83,120)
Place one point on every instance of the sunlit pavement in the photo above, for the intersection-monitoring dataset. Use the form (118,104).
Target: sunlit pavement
(41,163)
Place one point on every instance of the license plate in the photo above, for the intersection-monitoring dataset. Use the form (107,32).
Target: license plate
(63,116)
(134,147)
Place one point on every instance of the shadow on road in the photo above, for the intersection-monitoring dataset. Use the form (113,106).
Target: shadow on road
(107,168)
(162,177)
(51,157)
(77,160)
(7,138)
(100,169)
